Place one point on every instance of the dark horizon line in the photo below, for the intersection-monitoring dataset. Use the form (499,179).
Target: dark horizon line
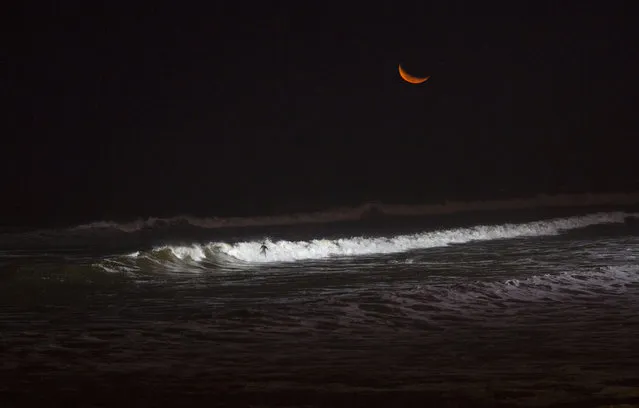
(436,206)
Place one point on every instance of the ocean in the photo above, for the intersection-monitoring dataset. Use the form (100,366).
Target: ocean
(529,302)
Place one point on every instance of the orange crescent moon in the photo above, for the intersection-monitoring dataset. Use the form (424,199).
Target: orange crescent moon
(409,78)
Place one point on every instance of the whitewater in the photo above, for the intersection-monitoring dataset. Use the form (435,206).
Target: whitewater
(526,302)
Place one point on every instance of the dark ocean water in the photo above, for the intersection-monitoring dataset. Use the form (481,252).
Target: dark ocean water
(508,309)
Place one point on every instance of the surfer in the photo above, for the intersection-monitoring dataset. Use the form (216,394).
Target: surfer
(263,249)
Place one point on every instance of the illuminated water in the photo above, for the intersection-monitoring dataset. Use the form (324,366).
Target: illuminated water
(526,314)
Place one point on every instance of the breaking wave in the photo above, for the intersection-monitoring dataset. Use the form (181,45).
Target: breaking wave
(250,252)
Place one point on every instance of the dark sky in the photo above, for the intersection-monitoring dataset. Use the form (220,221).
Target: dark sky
(244,109)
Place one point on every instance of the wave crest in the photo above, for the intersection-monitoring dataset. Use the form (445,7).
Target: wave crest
(291,251)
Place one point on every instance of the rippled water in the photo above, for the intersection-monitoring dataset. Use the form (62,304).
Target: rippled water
(533,321)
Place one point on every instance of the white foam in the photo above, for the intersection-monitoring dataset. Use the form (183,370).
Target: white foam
(610,278)
(290,251)
(476,298)
(590,282)
(194,252)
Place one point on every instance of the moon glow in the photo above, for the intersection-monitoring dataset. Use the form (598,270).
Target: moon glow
(409,78)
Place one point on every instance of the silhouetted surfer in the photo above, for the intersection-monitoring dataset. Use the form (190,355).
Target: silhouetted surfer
(263,249)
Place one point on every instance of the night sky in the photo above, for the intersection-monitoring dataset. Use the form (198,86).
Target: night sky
(253,109)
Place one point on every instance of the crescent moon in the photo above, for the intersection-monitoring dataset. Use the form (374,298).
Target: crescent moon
(409,78)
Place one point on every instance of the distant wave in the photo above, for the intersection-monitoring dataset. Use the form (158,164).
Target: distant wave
(371,210)
(290,251)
